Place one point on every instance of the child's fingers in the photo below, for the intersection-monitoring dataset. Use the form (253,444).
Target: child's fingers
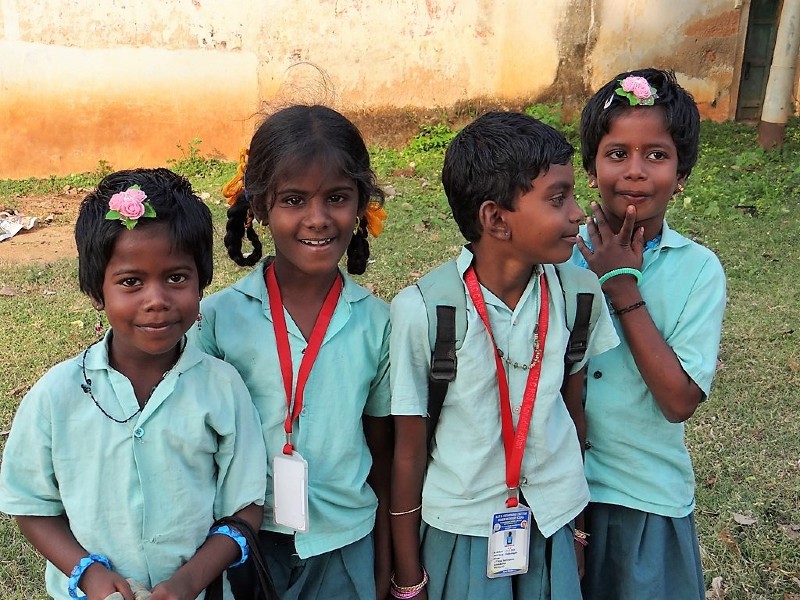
(626,231)
(637,243)
(585,251)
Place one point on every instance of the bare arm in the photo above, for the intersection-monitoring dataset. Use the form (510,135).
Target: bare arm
(212,558)
(380,439)
(410,460)
(53,539)
(676,394)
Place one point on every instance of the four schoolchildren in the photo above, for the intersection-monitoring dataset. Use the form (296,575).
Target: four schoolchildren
(482,485)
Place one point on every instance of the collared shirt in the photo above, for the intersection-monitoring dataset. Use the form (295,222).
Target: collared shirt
(638,459)
(465,482)
(143,493)
(349,379)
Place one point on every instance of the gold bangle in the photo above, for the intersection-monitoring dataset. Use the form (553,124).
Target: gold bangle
(580,534)
(405,512)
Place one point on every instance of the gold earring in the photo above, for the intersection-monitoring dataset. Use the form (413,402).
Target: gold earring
(355,227)
(679,188)
(592,184)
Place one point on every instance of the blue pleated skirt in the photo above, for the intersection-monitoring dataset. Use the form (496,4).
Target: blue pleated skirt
(456,565)
(346,573)
(634,554)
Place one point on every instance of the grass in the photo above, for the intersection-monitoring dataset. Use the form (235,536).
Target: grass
(745,440)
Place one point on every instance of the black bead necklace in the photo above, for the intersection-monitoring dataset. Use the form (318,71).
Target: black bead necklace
(86,386)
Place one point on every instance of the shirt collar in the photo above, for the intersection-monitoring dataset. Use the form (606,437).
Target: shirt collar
(253,285)
(96,356)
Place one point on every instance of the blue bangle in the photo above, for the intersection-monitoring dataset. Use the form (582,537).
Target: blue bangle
(236,537)
(80,568)
(623,271)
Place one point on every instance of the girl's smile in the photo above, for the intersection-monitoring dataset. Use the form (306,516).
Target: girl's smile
(151,296)
(311,217)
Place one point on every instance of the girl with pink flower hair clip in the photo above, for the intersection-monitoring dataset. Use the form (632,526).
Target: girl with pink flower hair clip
(639,141)
(137,468)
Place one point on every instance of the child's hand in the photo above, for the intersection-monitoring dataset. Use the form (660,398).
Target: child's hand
(174,588)
(610,251)
(98,583)
(140,592)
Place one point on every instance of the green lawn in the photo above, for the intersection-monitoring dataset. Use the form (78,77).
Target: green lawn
(745,440)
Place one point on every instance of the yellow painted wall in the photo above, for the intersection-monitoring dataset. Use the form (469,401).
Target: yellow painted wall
(126,81)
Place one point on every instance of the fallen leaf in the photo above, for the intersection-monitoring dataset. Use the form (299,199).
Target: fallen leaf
(48,293)
(726,538)
(744,519)
(8,291)
(717,592)
(792,531)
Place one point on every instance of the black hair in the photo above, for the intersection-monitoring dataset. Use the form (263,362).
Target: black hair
(680,113)
(175,204)
(288,141)
(497,157)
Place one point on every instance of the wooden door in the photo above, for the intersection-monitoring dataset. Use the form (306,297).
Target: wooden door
(762,27)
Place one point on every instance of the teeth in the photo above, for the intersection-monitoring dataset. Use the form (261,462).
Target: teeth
(316,242)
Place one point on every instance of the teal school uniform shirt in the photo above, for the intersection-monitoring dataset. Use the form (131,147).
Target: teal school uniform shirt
(143,493)
(638,459)
(465,482)
(349,379)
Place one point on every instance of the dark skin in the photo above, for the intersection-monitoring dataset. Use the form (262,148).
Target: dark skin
(303,298)
(53,539)
(572,392)
(620,243)
(504,270)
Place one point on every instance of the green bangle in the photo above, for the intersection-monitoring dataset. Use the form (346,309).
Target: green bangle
(623,271)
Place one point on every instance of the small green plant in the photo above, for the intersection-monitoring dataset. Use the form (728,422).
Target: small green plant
(432,137)
(551,114)
(194,164)
(102,169)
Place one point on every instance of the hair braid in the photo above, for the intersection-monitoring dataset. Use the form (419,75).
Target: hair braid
(358,249)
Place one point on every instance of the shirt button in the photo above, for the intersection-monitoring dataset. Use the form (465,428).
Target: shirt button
(516,409)
(597,374)
(138,432)
(304,412)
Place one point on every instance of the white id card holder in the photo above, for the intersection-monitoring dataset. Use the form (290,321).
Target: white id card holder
(290,479)
(509,542)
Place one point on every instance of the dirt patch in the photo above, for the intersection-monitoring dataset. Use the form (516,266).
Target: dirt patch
(52,237)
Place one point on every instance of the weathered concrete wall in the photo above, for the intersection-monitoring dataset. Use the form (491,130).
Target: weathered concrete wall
(127,81)
(695,39)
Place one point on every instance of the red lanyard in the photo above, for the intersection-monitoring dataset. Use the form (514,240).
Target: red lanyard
(293,408)
(513,442)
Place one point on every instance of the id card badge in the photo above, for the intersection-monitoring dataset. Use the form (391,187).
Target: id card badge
(509,541)
(290,480)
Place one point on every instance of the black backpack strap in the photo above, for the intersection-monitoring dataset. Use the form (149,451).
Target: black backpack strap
(264,588)
(443,365)
(576,346)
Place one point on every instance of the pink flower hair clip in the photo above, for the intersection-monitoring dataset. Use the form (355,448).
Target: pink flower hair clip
(637,90)
(129,206)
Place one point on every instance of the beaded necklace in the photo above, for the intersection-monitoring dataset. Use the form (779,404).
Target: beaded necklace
(86,386)
(537,352)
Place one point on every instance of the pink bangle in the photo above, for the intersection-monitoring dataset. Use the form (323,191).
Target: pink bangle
(404,592)
(580,537)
